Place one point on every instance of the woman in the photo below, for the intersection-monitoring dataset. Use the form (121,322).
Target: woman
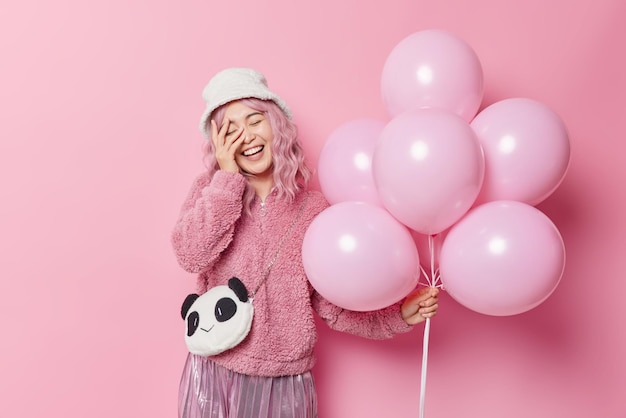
(246,217)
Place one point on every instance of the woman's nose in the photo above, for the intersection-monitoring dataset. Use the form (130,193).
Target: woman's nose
(248,136)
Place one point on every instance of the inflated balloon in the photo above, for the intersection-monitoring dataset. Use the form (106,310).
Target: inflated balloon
(527,150)
(428,169)
(345,162)
(432,68)
(357,256)
(502,258)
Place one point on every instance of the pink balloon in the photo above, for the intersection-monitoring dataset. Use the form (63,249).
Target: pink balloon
(359,257)
(345,162)
(428,168)
(432,68)
(527,150)
(502,258)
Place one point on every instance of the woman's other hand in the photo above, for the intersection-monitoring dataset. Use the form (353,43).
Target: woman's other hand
(419,305)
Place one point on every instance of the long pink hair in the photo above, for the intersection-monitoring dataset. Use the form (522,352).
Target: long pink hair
(289,168)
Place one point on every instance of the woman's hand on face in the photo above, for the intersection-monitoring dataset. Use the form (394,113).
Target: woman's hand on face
(419,305)
(226,145)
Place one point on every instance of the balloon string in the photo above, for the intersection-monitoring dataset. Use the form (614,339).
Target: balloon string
(434,280)
(424,366)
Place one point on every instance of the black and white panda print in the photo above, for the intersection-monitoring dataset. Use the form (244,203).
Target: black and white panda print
(218,319)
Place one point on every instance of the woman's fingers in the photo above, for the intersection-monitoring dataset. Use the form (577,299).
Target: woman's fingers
(429,303)
(425,294)
(219,139)
(429,311)
(225,140)
(226,145)
(422,303)
(429,300)
(234,140)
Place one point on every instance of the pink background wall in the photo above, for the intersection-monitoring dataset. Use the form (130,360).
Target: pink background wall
(99,103)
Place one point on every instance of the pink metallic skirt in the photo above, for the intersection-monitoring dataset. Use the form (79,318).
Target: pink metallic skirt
(211,391)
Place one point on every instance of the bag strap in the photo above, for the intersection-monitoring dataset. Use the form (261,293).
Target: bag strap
(280,246)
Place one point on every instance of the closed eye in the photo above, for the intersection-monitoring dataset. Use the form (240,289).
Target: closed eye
(255,118)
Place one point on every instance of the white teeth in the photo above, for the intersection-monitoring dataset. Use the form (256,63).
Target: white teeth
(252,151)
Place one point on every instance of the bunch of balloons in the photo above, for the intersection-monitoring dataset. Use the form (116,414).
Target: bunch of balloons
(440,172)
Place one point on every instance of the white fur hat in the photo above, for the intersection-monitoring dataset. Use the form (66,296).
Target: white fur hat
(234,84)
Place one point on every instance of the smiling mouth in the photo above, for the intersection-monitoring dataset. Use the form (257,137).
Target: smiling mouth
(252,151)
(207,330)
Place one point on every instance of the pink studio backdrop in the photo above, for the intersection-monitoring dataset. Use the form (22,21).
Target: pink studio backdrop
(99,105)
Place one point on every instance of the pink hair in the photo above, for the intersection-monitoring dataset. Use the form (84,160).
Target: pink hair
(289,168)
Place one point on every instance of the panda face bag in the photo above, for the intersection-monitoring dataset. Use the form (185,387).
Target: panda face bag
(218,319)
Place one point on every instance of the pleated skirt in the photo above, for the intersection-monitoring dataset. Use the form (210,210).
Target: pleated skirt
(208,390)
